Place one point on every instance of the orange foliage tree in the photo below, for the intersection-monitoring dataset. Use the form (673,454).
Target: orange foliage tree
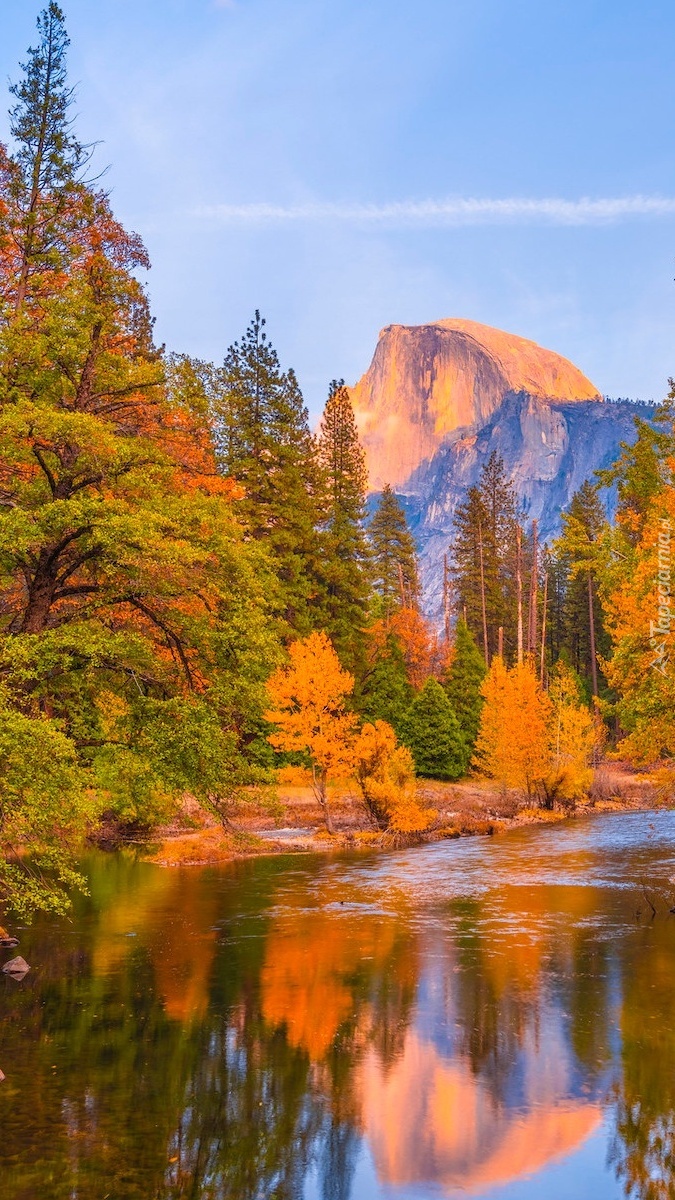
(385,774)
(573,736)
(536,742)
(307,704)
(513,739)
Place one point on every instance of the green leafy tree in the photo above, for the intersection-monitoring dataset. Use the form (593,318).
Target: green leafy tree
(432,733)
(44,805)
(134,609)
(463,681)
(393,554)
(344,541)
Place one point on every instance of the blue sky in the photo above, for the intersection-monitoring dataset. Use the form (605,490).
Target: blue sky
(343,165)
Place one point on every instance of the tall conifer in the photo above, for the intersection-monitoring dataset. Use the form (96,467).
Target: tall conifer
(484,556)
(393,554)
(463,681)
(346,551)
(264,443)
(48,158)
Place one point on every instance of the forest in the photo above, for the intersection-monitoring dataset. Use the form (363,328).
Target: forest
(195,596)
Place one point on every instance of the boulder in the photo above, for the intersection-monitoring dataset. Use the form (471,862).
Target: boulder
(16,967)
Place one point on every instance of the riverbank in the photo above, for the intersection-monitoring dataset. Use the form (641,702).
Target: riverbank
(289,819)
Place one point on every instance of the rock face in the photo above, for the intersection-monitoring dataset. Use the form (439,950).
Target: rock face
(427,381)
(438,399)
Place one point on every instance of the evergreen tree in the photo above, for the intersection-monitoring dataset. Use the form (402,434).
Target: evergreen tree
(393,555)
(484,556)
(264,443)
(48,159)
(385,693)
(463,682)
(643,468)
(345,548)
(431,732)
(577,548)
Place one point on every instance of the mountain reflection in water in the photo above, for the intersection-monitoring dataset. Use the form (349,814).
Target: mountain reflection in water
(486,1017)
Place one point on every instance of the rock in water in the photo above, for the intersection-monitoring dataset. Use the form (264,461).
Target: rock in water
(16,967)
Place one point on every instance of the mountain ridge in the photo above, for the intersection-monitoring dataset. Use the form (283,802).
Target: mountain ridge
(430,421)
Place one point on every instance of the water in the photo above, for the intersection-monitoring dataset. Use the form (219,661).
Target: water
(493,1017)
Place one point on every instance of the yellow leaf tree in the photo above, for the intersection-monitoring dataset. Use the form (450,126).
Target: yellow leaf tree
(572,739)
(385,774)
(513,739)
(307,705)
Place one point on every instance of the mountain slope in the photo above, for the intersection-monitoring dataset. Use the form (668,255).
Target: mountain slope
(438,399)
(426,381)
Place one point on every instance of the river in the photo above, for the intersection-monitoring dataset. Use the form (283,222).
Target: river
(491,1017)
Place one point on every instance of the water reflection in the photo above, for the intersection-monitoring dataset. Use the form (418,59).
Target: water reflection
(460,1018)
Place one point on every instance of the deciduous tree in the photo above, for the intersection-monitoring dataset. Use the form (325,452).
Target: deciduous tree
(513,739)
(307,705)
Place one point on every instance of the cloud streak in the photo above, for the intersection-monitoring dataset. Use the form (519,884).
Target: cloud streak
(451,212)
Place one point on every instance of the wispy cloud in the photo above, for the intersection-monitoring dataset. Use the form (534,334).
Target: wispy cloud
(454,211)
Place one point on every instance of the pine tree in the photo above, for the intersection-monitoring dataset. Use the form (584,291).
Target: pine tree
(393,555)
(585,638)
(264,443)
(463,681)
(643,468)
(431,732)
(484,556)
(48,159)
(345,548)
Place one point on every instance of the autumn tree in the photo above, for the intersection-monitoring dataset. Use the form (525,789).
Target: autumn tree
(636,587)
(432,733)
(385,775)
(393,555)
(307,705)
(513,739)
(344,541)
(130,598)
(572,739)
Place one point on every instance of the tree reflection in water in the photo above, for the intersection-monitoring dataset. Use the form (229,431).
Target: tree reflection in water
(252,1033)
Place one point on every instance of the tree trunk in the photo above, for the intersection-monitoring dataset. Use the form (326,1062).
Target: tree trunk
(320,789)
(591,630)
(543,632)
(532,608)
(486,649)
(519,591)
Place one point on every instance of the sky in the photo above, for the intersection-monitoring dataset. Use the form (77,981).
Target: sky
(343,165)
